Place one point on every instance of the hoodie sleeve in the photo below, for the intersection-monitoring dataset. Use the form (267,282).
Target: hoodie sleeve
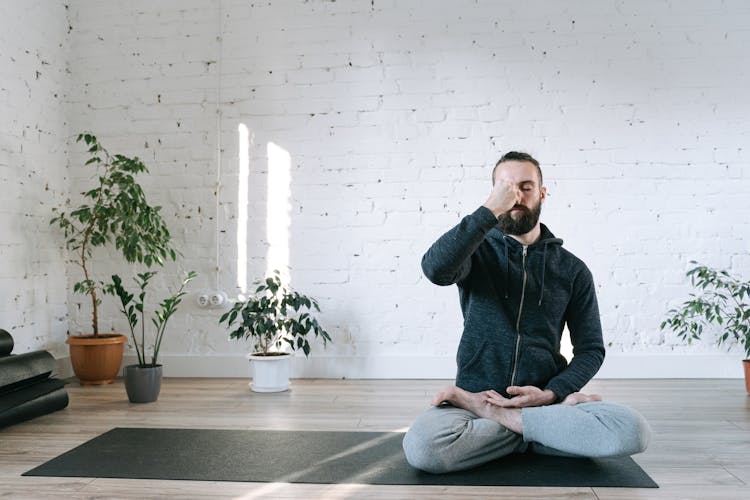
(448,260)
(584,325)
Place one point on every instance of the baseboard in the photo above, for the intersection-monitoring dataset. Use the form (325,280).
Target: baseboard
(435,367)
(616,366)
(672,366)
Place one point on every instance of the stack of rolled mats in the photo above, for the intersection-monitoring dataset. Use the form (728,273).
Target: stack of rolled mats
(27,388)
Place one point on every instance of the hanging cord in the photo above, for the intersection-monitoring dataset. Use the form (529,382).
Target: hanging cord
(219,40)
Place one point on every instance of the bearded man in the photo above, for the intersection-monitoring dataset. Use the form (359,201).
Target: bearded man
(515,392)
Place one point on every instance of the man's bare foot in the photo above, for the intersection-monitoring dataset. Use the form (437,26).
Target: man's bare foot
(459,398)
(579,397)
(475,402)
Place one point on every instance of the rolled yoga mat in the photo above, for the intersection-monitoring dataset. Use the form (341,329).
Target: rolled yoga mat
(20,370)
(41,405)
(12,399)
(6,343)
(320,457)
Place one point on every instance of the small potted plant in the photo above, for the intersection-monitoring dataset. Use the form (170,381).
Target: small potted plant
(273,318)
(723,301)
(115,212)
(143,380)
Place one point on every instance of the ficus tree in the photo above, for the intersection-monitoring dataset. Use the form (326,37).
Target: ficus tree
(723,300)
(115,211)
(275,315)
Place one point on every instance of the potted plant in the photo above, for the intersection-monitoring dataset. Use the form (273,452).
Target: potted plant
(114,211)
(724,301)
(273,318)
(143,380)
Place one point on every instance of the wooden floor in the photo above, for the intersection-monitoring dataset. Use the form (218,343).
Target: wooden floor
(701,446)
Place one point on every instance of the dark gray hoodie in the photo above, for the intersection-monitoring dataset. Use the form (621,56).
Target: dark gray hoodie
(515,302)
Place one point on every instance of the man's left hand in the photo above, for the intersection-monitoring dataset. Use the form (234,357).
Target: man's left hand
(521,397)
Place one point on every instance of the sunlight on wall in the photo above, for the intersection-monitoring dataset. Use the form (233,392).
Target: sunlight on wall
(244,173)
(278,210)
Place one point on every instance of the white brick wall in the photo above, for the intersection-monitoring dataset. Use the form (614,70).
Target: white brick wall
(393,113)
(34,46)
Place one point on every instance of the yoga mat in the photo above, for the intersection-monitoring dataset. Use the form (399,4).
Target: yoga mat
(18,369)
(313,457)
(32,391)
(6,343)
(41,405)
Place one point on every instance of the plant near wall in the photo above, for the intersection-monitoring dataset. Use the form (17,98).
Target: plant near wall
(114,211)
(133,307)
(724,300)
(275,315)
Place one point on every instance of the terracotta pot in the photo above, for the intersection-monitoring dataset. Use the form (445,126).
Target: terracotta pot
(746,365)
(96,360)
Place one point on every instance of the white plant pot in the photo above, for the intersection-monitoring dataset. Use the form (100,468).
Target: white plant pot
(270,373)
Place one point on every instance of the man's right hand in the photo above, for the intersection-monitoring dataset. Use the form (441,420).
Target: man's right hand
(503,197)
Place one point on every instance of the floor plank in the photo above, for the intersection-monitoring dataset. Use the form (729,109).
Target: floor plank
(701,445)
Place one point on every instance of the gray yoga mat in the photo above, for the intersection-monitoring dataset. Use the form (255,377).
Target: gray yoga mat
(6,343)
(45,403)
(19,370)
(313,457)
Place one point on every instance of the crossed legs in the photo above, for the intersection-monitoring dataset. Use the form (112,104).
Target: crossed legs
(509,418)
(468,431)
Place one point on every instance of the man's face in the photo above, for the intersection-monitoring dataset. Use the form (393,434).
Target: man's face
(524,216)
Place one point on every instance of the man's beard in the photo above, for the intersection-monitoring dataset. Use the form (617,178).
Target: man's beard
(522,225)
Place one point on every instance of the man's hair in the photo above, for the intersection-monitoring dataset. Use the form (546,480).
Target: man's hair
(518,156)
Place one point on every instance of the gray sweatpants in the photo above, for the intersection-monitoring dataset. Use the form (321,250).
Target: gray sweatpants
(445,439)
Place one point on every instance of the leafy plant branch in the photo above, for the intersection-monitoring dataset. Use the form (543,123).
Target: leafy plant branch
(133,308)
(721,301)
(275,315)
(116,211)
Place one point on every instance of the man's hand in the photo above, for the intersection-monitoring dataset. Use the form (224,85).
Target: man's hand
(503,197)
(522,397)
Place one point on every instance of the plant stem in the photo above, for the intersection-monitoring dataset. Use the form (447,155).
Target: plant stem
(84,245)
(92,289)
(143,331)
(159,335)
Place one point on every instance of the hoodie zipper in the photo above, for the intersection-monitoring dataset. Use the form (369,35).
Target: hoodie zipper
(518,320)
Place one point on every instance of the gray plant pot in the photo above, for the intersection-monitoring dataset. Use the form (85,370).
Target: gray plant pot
(143,383)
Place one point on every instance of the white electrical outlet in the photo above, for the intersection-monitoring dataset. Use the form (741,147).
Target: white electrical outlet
(203,300)
(212,299)
(217,299)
